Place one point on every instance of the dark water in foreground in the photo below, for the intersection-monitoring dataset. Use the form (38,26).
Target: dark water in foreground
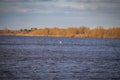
(45,58)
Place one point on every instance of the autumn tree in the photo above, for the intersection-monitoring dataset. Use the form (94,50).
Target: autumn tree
(71,31)
(83,30)
(54,31)
(97,32)
(46,31)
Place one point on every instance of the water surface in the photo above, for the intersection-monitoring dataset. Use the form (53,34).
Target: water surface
(49,58)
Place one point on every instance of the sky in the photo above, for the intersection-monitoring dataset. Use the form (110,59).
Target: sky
(20,14)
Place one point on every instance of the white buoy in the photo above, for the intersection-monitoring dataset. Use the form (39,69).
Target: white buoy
(60,42)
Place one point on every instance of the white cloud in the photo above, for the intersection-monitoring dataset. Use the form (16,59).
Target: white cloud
(71,6)
(55,6)
(116,1)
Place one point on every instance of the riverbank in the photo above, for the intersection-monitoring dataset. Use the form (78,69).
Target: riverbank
(73,32)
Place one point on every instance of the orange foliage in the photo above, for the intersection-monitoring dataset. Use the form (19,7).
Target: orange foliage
(81,32)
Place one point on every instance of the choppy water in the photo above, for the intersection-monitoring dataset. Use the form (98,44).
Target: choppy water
(45,58)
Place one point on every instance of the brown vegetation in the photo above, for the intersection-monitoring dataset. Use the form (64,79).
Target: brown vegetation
(81,32)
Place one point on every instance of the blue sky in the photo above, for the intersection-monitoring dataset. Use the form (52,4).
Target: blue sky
(17,14)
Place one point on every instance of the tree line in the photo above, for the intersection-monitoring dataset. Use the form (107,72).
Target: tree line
(78,32)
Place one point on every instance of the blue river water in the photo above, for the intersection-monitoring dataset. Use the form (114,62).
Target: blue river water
(52,58)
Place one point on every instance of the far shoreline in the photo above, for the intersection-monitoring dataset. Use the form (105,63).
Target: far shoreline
(70,32)
(55,37)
